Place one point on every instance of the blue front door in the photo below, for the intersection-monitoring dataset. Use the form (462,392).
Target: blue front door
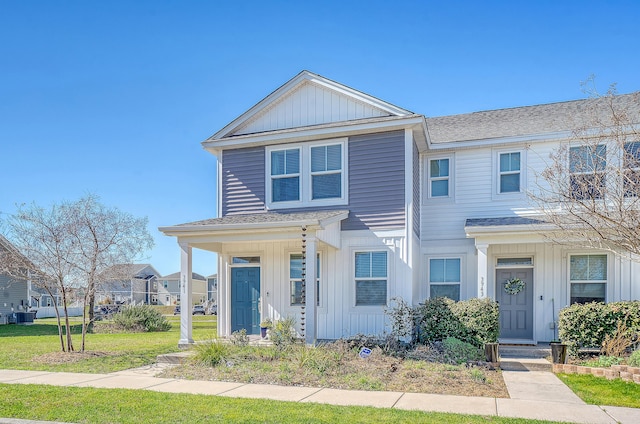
(245,298)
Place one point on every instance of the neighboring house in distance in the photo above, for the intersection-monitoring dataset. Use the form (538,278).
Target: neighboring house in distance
(139,286)
(212,288)
(169,289)
(14,293)
(389,204)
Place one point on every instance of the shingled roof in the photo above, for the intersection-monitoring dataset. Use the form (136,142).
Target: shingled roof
(528,120)
(267,217)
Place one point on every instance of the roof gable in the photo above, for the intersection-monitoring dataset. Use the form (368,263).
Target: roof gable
(305,100)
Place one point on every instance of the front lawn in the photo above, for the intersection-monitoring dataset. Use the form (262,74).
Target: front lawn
(337,365)
(89,405)
(37,346)
(600,391)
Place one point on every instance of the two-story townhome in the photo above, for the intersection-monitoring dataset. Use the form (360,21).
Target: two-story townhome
(377,202)
(169,289)
(129,284)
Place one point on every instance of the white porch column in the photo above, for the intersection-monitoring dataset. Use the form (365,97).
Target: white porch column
(482,270)
(310,295)
(186,289)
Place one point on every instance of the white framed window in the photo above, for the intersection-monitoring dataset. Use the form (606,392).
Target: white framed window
(587,171)
(444,278)
(509,172)
(285,175)
(307,174)
(371,278)
(631,164)
(295,279)
(588,278)
(439,175)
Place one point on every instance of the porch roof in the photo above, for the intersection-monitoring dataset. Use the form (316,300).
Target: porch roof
(260,226)
(475,227)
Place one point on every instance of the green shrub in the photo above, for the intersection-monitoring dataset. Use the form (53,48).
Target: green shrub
(481,319)
(283,333)
(604,361)
(210,353)
(436,321)
(459,352)
(587,325)
(475,321)
(141,318)
(634,359)
(240,338)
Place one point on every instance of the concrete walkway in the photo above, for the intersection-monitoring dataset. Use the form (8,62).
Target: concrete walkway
(533,394)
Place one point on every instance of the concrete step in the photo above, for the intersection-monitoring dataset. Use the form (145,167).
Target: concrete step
(524,364)
(176,358)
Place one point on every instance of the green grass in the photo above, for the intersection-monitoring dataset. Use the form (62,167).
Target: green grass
(88,405)
(21,346)
(600,391)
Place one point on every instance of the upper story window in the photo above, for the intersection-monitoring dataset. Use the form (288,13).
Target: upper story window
(307,174)
(509,172)
(631,163)
(439,177)
(588,278)
(587,171)
(326,172)
(285,175)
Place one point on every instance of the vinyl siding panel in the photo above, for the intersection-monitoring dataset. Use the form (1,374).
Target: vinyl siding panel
(475,190)
(243,189)
(376,182)
(12,294)
(308,104)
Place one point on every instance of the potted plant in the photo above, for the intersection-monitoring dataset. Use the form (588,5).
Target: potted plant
(264,326)
(558,352)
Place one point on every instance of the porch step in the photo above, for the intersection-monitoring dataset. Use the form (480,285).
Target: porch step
(524,364)
(176,358)
(541,350)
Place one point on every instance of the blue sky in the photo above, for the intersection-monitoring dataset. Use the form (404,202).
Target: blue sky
(114,97)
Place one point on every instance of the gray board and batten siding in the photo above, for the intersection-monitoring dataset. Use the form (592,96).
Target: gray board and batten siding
(376,182)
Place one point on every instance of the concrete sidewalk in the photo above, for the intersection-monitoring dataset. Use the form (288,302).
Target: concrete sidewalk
(534,394)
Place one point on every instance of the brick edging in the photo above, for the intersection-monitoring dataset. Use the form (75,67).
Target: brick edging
(623,372)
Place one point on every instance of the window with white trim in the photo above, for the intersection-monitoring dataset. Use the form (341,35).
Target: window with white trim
(295,279)
(285,175)
(631,164)
(444,278)
(588,278)
(439,177)
(587,171)
(306,174)
(509,164)
(371,278)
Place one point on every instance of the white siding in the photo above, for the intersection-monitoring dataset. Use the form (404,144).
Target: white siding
(337,315)
(309,104)
(474,190)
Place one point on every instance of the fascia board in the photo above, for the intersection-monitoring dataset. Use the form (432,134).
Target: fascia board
(186,230)
(451,145)
(472,232)
(304,134)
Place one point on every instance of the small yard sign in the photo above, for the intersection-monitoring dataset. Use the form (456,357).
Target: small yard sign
(365,352)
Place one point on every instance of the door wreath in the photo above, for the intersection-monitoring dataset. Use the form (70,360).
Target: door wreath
(514,286)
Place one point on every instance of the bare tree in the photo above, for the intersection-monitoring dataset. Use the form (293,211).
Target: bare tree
(590,190)
(108,241)
(73,245)
(44,254)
